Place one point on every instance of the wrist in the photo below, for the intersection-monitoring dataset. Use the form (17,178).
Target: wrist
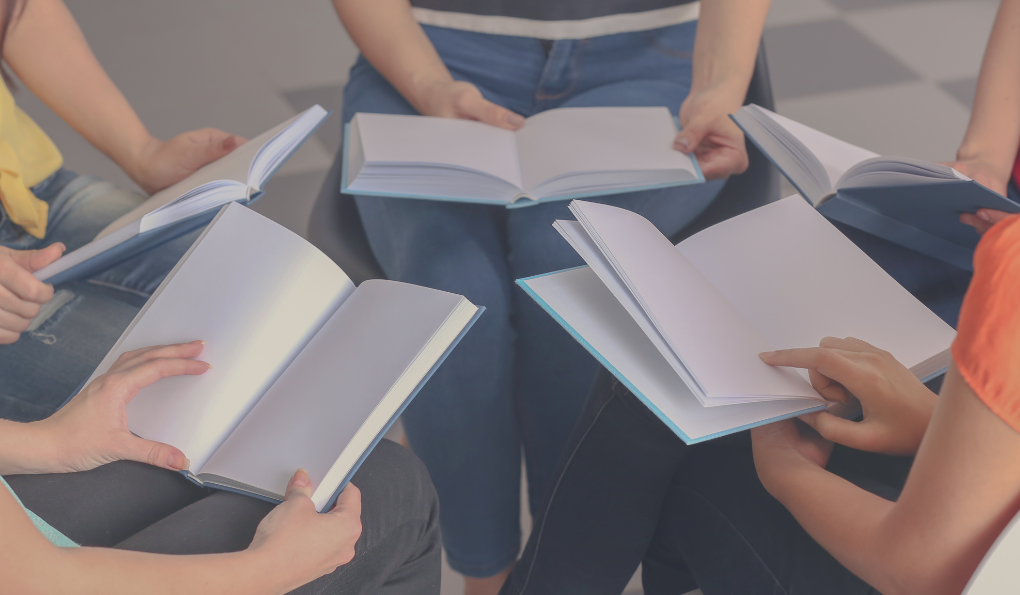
(781,477)
(28,448)
(420,86)
(137,154)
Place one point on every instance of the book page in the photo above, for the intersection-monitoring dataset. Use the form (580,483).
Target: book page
(717,344)
(449,142)
(567,141)
(232,167)
(320,402)
(256,293)
(797,279)
(586,307)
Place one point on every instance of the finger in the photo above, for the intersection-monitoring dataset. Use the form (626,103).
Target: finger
(217,144)
(17,306)
(19,280)
(690,137)
(974,221)
(826,387)
(156,454)
(7,337)
(857,435)
(14,323)
(850,344)
(478,108)
(721,161)
(299,485)
(33,260)
(349,501)
(829,362)
(128,382)
(991,215)
(138,357)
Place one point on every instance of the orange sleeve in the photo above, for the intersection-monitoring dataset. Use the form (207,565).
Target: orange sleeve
(987,345)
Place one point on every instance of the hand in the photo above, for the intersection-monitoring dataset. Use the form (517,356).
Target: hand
(21,294)
(985,173)
(709,133)
(304,544)
(458,99)
(984,219)
(91,430)
(785,447)
(897,406)
(158,164)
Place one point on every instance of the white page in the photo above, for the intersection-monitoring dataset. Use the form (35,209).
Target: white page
(836,155)
(596,139)
(466,144)
(797,279)
(713,339)
(255,292)
(307,418)
(589,308)
(233,167)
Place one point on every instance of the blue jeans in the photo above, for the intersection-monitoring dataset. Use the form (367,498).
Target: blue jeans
(629,492)
(517,379)
(85,318)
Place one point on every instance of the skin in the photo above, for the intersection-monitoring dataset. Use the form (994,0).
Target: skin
(724,55)
(989,147)
(956,500)
(48,52)
(293,545)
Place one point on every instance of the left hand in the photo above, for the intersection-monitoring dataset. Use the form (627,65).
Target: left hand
(709,133)
(984,219)
(784,447)
(158,164)
(91,430)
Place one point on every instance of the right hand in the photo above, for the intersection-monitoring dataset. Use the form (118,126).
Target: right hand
(984,173)
(458,99)
(303,544)
(897,406)
(21,294)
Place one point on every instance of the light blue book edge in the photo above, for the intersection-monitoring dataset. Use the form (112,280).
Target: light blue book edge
(344,188)
(523,283)
(371,447)
(148,240)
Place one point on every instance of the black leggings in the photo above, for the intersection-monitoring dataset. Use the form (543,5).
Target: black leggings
(137,507)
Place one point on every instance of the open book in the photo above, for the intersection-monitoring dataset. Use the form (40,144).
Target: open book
(682,326)
(557,154)
(308,371)
(913,203)
(189,204)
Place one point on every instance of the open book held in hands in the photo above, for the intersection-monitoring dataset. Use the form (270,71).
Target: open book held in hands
(557,154)
(913,203)
(308,371)
(682,326)
(239,176)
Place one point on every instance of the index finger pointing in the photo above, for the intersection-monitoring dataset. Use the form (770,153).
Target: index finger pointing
(827,362)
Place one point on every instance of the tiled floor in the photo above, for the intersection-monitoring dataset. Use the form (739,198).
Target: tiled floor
(895,76)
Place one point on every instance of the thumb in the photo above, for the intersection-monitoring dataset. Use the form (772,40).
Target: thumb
(485,111)
(300,485)
(220,144)
(836,429)
(33,260)
(690,136)
(156,454)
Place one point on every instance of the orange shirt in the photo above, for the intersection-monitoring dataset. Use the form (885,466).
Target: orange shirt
(987,346)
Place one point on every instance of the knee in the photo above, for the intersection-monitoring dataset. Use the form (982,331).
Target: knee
(395,478)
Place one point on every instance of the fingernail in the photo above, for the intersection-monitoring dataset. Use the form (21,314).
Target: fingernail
(766,354)
(683,143)
(199,341)
(515,119)
(229,143)
(208,364)
(984,215)
(301,480)
(178,461)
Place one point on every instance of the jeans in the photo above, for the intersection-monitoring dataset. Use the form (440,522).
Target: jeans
(517,379)
(628,491)
(137,507)
(78,327)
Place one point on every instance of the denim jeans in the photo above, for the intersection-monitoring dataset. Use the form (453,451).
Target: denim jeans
(517,379)
(132,506)
(628,491)
(86,317)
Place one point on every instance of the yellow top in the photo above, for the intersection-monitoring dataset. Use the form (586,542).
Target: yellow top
(27,157)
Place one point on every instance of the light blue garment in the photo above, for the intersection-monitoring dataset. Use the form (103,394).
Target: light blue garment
(517,379)
(55,537)
(85,318)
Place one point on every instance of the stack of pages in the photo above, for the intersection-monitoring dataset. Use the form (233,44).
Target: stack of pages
(308,371)
(557,154)
(682,326)
(191,203)
(913,203)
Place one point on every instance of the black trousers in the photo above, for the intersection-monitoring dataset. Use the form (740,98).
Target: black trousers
(628,491)
(137,507)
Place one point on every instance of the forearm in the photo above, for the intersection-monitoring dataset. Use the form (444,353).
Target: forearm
(48,52)
(726,46)
(25,448)
(395,44)
(993,134)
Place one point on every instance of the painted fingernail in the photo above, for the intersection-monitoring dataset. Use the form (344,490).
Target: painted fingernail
(766,354)
(984,215)
(178,461)
(515,119)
